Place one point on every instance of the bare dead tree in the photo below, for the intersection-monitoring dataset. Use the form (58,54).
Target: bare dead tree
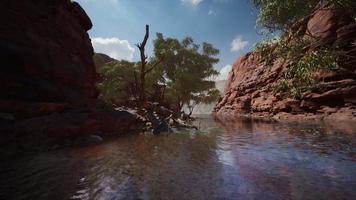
(143,71)
(141,47)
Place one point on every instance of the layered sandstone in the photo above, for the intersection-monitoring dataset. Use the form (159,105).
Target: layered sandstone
(251,84)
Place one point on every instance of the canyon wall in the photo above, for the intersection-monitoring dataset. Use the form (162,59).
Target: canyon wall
(48,76)
(251,84)
(45,51)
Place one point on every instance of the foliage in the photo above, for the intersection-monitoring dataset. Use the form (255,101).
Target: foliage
(187,67)
(118,78)
(299,75)
(265,50)
(291,48)
(281,14)
(118,83)
(285,48)
(205,97)
(155,76)
(183,66)
(101,60)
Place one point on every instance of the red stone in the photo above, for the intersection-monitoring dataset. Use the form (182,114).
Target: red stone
(251,79)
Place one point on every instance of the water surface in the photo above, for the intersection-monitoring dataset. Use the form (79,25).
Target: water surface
(227,159)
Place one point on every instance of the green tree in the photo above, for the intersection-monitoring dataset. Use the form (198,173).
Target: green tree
(187,68)
(282,14)
(184,67)
(118,82)
(204,97)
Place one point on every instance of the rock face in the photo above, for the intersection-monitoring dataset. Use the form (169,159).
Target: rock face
(251,85)
(47,75)
(102,59)
(45,51)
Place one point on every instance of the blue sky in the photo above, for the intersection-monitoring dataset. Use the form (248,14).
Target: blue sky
(119,24)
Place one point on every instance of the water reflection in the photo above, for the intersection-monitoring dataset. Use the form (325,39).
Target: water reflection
(227,159)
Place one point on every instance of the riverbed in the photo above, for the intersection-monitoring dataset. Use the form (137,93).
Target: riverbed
(226,159)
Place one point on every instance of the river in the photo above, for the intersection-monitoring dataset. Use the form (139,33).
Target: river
(226,159)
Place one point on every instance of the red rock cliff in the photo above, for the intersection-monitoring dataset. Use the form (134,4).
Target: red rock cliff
(47,75)
(251,83)
(45,51)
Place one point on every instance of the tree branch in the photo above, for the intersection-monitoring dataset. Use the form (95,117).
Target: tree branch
(141,47)
(143,44)
(154,66)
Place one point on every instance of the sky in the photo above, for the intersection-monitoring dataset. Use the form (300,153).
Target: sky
(120,24)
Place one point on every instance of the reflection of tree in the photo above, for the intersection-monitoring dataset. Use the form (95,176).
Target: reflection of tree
(249,159)
(160,167)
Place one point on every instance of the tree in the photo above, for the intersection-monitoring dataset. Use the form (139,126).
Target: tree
(282,14)
(205,97)
(185,72)
(143,70)
(187,68)
(118,82)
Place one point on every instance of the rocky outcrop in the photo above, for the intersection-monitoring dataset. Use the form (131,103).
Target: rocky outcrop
(251,84)
(48,76)
(45,51)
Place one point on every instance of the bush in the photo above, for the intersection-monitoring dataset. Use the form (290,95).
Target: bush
(285,48)
(117,77)
(282,14)
(299,76)
(265,50)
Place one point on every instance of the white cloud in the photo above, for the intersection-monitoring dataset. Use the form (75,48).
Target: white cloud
(224,73)
(211,12)
(238,43)
(192,2)
(114,47)
(221,1)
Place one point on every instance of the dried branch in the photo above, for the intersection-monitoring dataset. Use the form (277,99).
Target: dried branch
(154,66)
(141,47)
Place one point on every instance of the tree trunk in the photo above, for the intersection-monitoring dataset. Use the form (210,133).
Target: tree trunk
(141,47)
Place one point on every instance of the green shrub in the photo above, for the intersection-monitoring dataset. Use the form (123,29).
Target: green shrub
(282,85)
(287,47)
(117,78)
(300,75)
(282,14)
(265,50)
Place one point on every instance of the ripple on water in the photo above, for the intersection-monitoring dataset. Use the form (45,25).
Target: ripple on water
(227,159)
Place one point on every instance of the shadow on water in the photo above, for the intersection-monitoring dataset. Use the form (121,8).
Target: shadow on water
(226,159)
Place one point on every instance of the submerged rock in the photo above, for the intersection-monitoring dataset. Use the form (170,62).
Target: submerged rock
(94,139)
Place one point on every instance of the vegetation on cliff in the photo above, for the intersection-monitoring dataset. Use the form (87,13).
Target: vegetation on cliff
(294,46)
(282,14)
(306,72)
